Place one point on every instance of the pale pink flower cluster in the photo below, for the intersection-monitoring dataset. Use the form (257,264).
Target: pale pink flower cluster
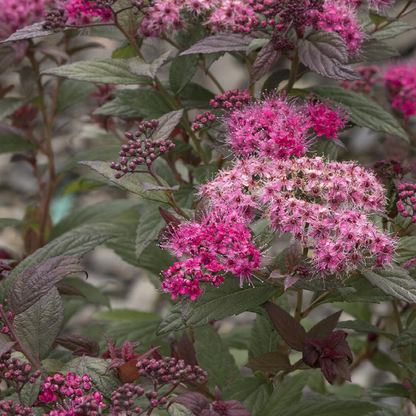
(325,205)
(279,128)
(340,16)
(82,12)
(16,14)
(216,243)
(400,82)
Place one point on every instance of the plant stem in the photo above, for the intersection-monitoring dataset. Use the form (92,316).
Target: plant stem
(398,17)
(396,314)
(293,73)
(299,301)
(14,335)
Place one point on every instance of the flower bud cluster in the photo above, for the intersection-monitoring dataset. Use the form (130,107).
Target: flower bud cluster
(10,317)
(141,149)
(141,6)
(170,370)
(406,204)
(9,408)
(55,19)
(15,372)
(391,169)
(364,85)
(123,400)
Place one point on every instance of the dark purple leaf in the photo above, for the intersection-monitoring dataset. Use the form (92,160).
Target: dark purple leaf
(29,32)
(35,282)
(115,363)
(186,350)
(293,255)
(325,327)
(223,42)
(265,61)
(207,412)
(288,327)
(196,402)
(291,280)
(80,345)
(326,367)
(271,362)
(235,408)
(341,368)
(326,53)
(169,218)
(65,289)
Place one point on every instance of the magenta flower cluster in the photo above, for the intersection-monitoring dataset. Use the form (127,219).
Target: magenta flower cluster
(406,204)
(325,205)
(400,82)
(278,128)
(216,243)
(71,395)
(82,12)
(364,85)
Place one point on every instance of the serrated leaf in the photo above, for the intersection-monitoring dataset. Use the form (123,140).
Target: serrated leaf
(101,379)
(68,244)
(131,183)
(29,32)
(30,393)
(194,96)
(214,357)
(91,293)
(266,59)
(35,282)
(38,326)
(256,44)
(326,53)
(167,123)
(106,71)
(218,303)
(5,343)
(388,390)
(288,327)
(376,50)
(393,281)
(80,345)
(405,338)
(13,143)
(366,327)
(142,68)
(9,105)
(363,112)
(223,42)
(324,327)
(73,93)
(275,78)
(182,71)
(270,362)
(263,339)
(148,228)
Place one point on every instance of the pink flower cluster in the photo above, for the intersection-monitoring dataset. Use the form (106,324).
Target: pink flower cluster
(16,14)
(325,205)
(277,128)
(400,81)
(216,243)
(368,76)
(406,204)
(74,394)
(82,12)
(340,16)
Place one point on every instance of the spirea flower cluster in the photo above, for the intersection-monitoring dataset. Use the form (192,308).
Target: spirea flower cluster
(279,128)
(16,14)
(400,82)
(81,12)
(216,243)
(70,395)
(325,205)
(364,85)
(406,204)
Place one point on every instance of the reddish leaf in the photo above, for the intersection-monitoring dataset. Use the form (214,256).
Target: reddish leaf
(128,372)
(223,42)
(235,408)
(186,350)
(37,281)
(325,327)
(293,255)
(65,289)
(341,368)
(265,61)
(288,327)
(271,362)
(196,402)
(169,218)
(80,345)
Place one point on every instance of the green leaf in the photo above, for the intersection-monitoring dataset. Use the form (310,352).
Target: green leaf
(218,303)
(214,357)
(194,96)
(131,183)
(101,379)
(145,103)
(124,51)
(256,44)
(366,327)
(68,244)
(376,50)
(275,78)
(125,315)
(167,123)
(253,392)
(392,30)
(384,362)
(363,112)
(106,71)
(285,395)
(405,338)
(388,390)
(223,42)
(9,222)
(12,143)
(30,393)
(92,294)
(100,212)
(323,406)
(264,337)
(38,326)
(182,71)
(9,105)
(127,18)
(73,93)
(393,281)
(142,68)
(148,228)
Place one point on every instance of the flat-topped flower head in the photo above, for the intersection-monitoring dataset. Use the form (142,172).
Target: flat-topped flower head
(218,242)
(81,12)
(400,81)
(274,128)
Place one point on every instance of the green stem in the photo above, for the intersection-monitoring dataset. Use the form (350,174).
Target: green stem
(396,314)
(299,301)
(293,73)
(399,16)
